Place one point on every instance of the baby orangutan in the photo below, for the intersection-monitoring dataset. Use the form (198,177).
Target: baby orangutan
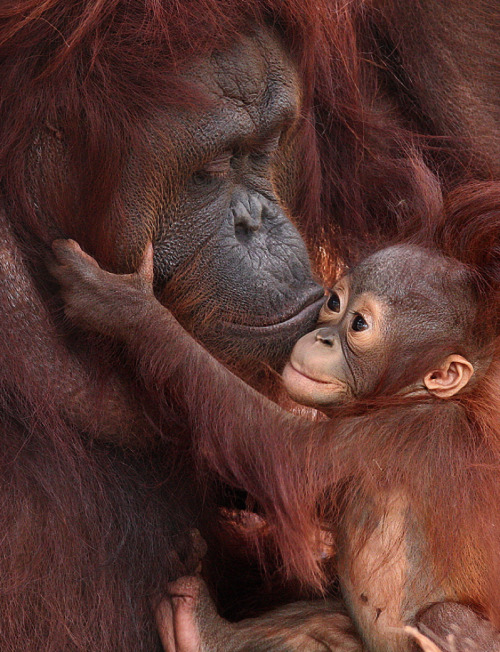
(404,474)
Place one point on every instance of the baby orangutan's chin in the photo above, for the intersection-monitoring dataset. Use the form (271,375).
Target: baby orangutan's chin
(309,391)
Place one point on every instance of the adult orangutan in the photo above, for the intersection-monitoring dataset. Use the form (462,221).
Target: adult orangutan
(405,472)
(200,125)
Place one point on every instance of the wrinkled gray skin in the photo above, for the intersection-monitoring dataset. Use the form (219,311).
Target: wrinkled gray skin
(209,189)
(214,203)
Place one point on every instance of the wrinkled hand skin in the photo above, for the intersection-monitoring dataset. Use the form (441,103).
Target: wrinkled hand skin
(100,301)
(188,622)
(455,627)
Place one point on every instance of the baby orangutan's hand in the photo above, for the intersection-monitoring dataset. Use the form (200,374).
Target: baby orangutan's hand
(97,300)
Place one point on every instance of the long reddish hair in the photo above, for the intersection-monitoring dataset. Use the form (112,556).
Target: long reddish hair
(87,526)
(446,458)
(92,72)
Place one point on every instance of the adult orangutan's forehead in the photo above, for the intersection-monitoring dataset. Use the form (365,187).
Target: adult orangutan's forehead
(248,90)
(257,70)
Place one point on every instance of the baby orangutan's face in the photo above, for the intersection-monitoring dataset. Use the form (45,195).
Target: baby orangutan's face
(327,366)
(375,325)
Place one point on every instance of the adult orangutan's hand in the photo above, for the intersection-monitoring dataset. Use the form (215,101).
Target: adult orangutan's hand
(188,622)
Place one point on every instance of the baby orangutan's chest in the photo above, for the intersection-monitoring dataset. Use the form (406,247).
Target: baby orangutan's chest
(383,572)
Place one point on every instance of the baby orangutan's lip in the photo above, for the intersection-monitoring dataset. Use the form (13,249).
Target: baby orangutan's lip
(305,389)
(314,380)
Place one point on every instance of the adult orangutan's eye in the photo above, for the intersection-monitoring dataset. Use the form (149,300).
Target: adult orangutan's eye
(359,324)
(265,150)
(333,302)
(218,167)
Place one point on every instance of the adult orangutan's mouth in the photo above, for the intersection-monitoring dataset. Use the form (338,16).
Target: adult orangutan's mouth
(308,312)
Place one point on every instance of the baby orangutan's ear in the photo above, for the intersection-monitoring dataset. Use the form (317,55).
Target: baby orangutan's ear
(450,377)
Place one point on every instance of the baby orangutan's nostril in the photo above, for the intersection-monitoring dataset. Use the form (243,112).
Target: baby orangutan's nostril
(325,336)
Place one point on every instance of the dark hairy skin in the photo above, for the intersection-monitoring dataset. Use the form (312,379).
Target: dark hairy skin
(242,275)
(207,183)
(387,570)
(201,125)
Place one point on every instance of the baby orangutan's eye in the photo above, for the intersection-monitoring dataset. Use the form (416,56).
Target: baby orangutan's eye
(359,324)
(333,302)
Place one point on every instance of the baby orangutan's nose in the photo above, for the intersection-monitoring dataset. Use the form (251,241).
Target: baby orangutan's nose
(326,336)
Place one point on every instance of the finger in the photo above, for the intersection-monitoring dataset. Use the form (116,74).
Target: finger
(70,272)
(189,586)
(186,627)
(185,594)
(145,269)
(176,617)
(425,643)
(55,268)
(164,616)
(69,252)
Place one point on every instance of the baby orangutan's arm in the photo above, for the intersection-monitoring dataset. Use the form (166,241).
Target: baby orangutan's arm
(232,427)
(236,420)
(125,306)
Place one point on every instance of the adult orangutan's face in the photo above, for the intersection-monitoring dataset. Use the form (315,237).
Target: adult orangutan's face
(210,191)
